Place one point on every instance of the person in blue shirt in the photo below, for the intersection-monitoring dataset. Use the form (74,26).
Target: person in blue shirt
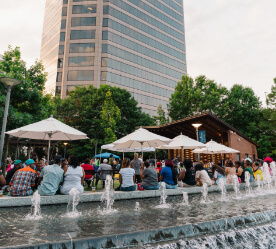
(169,175)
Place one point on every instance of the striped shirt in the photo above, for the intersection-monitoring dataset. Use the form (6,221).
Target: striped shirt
(22,182)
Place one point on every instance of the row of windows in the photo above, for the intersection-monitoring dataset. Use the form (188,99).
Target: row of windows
(165,9)
(128,82)
(143,50)
(146,100)
(144,39)
(82,34)
(83,21)
(84,75)
(84,9)
(143,16)
(82,48)
(174,5)
(123,67)
(143,62)
(68,89)
(50,45)
(157,13)
(52,32)
(160,36)
(63,24)
(52,19)
(81,61)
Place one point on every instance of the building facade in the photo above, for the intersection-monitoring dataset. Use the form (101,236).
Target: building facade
(135,45)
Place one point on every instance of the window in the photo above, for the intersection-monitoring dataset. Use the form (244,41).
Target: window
(81,61)
(59,77)
(62,36)
(80,75)
(254,157)
(82,47)
(105,35)
(60,63)
(63,24)
(83,21)
(84,9)
(246,155)
(104,48)
(105,22)
(61,49)
(106,9)
(58,90)
(64,11)
(82,0)
(69,89)
(82,34)
(103,76)
(104,62)
(65,1)
(238,156)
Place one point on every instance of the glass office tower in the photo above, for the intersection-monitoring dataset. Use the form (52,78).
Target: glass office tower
(138,45)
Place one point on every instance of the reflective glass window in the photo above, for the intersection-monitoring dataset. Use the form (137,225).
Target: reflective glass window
(106,9)
(69,89)
(59,77)
(65,1)
(105,22)
(82,34)
(61,49)
(58,90)
(81,61)
(83,0)
(105,35)
(104,61)
(84,9)
(83,21)
(60,63)
(81,75)
(104,48)
(103,76)
(82,48)
(63,24)
(64,11)
(62,36)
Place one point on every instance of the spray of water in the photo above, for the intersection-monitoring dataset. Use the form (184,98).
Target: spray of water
(35,209)
(249,192)
(267,178)
(185,201)
(108,197)
(204,191)
(273,172)
(236,186)
(163,198)
(221,185)
(259,188)
(137,206)
(74,198)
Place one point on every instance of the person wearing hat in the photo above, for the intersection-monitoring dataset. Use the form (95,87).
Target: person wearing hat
(17,166)
(50,178)
(104,170)
(23,180)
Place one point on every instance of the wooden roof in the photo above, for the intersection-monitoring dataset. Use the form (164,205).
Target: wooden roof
(214,127)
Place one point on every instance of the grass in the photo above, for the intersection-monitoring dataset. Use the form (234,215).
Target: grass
(99,186)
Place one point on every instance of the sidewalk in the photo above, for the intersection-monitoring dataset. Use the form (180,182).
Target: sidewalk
(88,196)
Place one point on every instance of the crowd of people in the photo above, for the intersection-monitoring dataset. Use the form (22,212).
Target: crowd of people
(61,175)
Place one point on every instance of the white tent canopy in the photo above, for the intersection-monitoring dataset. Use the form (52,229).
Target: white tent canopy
(48,129)
(111,148)
(141,138)
(213,147)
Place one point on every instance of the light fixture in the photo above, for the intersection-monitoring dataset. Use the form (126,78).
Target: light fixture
(9,81)
(196,125)
(65,144)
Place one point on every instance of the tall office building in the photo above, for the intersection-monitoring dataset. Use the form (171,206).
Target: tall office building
(138,45)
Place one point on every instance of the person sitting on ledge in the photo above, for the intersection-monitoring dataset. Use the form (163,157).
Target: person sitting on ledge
(202,176)
(257,171)
(149,176)
(50,178)
(169,175)
(218,173)
(2,180)
(23,181)
(127,176)
(73,176)
(187,175)
(17,166)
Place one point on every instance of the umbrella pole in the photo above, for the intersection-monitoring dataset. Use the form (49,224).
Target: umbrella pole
(182,153)
(49,146)
(221,160)
(123,155)
(142,151)
(100,156)
(155,157)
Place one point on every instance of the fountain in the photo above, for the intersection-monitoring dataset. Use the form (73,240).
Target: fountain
(222,188)
(35,209)
(163,198)
(236,186)
(267,178)
(247,184)
(204,191)
(137,206)
(185,201)
(74,198)
(259,189)
(273,173)
(108,197)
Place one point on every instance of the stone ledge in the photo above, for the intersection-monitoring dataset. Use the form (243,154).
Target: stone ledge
(7,201)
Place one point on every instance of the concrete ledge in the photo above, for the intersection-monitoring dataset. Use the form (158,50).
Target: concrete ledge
(7,201)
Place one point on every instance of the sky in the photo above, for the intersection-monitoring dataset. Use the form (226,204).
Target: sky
(229,41)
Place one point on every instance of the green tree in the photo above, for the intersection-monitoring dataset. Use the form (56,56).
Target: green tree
(161,116)
(110,115)
(27,104)
(271,97)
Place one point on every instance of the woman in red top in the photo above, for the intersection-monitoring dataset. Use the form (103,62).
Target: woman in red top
(158,169)
(89,172)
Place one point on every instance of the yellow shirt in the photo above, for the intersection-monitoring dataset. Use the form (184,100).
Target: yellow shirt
(258,172)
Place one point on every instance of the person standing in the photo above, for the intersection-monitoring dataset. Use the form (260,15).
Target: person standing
(136,165)
(50,178)
(23,181)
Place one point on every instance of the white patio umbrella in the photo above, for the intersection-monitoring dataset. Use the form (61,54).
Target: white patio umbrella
(141,138)
(183,142)
(48,129)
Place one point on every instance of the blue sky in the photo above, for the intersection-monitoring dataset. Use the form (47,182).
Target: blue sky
(229,41)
